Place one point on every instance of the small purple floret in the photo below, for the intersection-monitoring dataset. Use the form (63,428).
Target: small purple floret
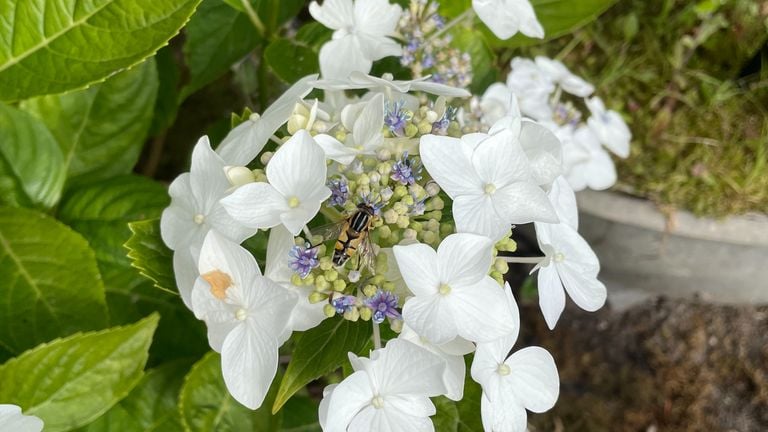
(384,305)
(302,260)
(339,192)
(396,118)
(406,170)
(343,303)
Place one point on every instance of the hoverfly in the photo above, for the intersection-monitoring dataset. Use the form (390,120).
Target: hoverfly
(352,235)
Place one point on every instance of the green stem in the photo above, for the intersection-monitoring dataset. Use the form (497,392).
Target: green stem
(376,336)
(254,17)
(522,260)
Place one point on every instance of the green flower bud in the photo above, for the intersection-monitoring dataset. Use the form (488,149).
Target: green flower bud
(326,263)
(329,310)
(369,290)
(331,275)
(501,265)
(296,280)
(384,231)
(400,191)
(366,314)
(396,325)
(429,237)
(390,216)
(339,285)
(352,314)
(400,208)
(403,221)
(411,130)
(317,297)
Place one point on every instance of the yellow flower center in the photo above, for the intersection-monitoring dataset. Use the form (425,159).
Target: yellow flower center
(503,370)
(444,289)
(293,202)
(241,314)
(199,219)
(559,257)
(490,188)
(377,402)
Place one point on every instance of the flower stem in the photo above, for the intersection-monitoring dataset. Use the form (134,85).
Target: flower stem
(466,15)
(254,17)
(522,260)
(376,336)
(308,233)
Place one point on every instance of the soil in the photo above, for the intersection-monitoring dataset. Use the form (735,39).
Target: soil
(663,365)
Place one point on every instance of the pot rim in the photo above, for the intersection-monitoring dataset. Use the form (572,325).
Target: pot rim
(750,229)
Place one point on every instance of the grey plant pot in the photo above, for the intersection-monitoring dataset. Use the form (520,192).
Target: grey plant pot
(641,254)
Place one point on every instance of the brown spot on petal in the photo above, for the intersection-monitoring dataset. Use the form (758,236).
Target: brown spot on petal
(219,282)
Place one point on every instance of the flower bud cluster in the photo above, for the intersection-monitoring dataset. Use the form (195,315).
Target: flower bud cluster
(428,51)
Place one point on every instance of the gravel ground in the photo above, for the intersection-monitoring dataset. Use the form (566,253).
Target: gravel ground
(660,365)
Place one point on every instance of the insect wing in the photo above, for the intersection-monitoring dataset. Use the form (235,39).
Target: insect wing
(329,231)
(366,254)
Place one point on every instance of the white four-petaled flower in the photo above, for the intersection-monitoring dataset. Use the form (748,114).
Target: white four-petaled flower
(296,188)
(507,17)
(247,316)
(609,127)
(569,265)
(365,120)
(194,211)
(490,180)
(527,379)
(453,294)
(361,34)
(388,392)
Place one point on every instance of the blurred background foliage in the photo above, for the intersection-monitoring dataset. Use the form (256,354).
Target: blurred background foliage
(692,80)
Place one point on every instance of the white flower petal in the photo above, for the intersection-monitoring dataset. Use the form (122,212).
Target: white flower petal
(464,258)
(245,141)
(534,378)
(298,168)
(12,420)
(340,57)
(221,254)
(346,401)
(377,47)
(419,267)
(279,245)
(551,295)
(476,214)
(455,373)
(499,160)
(439,89)
(447,163)
(377,17)
(334,14)
(423,374)
(219,316)
(523,202)
(335,150)
(505,415)
(208,180)
(563,199)
(185,270)
(367,128)
(482,311)
(544,151)
(431,317)
(249,362)
(256,205)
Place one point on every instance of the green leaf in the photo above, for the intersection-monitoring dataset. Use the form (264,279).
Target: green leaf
(130,296)
(102,129)
(151,406)
(100,211)
(49,283)
(167,103)
(55,46)
(272,13)
(206,405)
(70,382)
(150,255)
(217,37)
(447,417)
(472,41)
(31,164)
(319,351)
(290,60)
(314,34)
(301,415)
